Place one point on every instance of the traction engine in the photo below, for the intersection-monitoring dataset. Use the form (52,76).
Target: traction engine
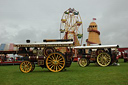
(46,54)
(103,55)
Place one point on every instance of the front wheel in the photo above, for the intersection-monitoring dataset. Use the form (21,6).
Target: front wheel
(26,67)
(83,62)
(55,62)
(103,59)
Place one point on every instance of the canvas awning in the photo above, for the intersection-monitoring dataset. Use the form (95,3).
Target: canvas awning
(7,48)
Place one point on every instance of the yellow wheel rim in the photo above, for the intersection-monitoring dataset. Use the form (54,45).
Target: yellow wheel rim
(103,59)
(83,62)
(25,66)
(55,62)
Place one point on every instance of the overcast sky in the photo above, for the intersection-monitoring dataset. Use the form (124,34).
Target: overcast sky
(40,19)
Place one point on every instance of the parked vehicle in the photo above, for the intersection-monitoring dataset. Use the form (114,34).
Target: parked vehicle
(103,55)
(46,54)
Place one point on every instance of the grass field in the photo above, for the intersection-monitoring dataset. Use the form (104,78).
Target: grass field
(74,75)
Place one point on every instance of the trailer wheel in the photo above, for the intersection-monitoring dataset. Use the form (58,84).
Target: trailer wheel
(83,62)
(103,59)
(55,62)
(26,66)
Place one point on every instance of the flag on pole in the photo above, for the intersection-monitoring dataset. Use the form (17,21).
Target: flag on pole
(94,18)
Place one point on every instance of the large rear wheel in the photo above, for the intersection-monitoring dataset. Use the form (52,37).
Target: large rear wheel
(103,59)
(55,62)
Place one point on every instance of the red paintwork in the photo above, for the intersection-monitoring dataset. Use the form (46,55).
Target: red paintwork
(10,62)
(125,55)
(121,50)
(75,59)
